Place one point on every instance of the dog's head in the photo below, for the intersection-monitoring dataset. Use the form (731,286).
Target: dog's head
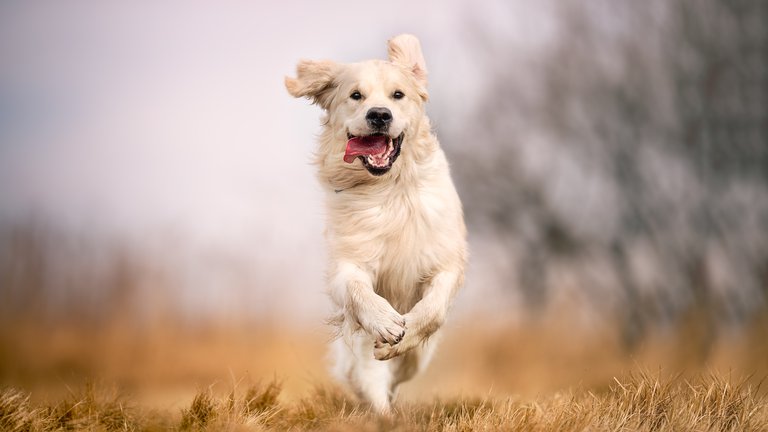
(372,107)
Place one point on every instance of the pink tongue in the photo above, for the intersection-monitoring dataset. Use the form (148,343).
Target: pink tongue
(366,145)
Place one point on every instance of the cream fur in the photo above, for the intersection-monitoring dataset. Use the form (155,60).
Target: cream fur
(397,241)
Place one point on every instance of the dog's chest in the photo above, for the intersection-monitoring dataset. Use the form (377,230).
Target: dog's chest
(397,236)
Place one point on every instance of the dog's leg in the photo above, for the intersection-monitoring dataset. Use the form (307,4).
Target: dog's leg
(426,317)
(370,379)
(408,365)
(351,289)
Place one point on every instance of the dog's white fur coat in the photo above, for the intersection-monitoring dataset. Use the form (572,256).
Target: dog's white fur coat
(397,241)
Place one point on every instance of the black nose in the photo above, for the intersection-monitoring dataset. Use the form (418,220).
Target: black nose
(379,118)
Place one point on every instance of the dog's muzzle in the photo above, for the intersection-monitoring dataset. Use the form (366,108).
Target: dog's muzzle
(377,151)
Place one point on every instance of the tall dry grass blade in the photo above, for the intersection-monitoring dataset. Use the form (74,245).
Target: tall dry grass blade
(260,398)
(203,411)
(94,408)
(16,415)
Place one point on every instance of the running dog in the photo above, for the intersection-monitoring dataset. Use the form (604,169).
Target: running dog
(395,228)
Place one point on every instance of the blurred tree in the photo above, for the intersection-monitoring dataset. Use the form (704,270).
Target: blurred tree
(636,142)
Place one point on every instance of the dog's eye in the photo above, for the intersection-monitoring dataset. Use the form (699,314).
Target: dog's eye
(356,95)
(398,94)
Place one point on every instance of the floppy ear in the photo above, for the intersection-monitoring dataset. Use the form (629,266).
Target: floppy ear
(405,50)
(314,80)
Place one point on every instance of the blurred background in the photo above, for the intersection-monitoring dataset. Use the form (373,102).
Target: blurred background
(161,227)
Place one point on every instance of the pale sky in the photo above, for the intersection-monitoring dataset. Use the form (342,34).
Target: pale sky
(134,116)
(137,119)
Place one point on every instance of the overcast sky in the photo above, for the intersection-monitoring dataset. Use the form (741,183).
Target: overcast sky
(136,119)
(150,114)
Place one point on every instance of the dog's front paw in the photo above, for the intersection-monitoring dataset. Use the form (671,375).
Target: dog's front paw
(383,322)
(383,351)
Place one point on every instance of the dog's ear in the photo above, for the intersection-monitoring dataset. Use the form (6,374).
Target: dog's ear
(314,80)
(405,50)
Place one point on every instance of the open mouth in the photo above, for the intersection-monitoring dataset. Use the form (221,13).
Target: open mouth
(377,152)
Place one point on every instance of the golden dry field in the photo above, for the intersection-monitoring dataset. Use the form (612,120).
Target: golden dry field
(549,375)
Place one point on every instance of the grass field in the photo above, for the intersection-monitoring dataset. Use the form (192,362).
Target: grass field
(537,376)
(640,402)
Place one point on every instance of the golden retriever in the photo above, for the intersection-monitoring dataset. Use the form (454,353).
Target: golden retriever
(395,226)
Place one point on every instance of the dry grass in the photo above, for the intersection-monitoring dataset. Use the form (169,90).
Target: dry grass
(483,377)
(90,409)
(638,402)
